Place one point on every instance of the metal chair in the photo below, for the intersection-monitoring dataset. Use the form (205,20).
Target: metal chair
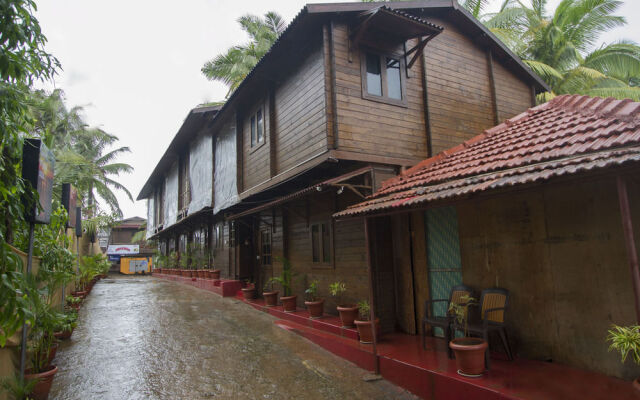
(493,305)
(443,322)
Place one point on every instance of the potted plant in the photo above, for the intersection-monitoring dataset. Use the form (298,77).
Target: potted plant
(626,340)
(173,263)
(289,299)
(249,291)
(65,326)
(348,312)
(314,304)
(270,295)
(469,351)
(73,302)
(18,388)
(183,263)
(364,323)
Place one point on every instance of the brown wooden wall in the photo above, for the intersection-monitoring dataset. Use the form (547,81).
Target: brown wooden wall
(349,262)
(255,160)
(301,122)
(370,127)
(459,88)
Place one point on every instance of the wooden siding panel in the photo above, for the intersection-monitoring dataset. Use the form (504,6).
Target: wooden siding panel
(255,160)
(513,95)
(458,85)
(301,120)
(371,127)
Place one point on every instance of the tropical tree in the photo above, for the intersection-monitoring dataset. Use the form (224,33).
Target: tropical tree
(562,47)
(233,66)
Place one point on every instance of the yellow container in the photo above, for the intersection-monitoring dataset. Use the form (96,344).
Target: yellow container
(135,265)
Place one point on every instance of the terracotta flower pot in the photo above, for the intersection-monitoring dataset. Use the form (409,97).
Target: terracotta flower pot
(79,293)
(348,314)
(215,274)
(63,334)
(45,379)
(270,298)
(289,303)
(249,293)
(469,355)
(185,273)
(316,308)
(365,332)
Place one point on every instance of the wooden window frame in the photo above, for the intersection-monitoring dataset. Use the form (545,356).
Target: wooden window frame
(383,76)
(258,143)
(267,232)
(321,263)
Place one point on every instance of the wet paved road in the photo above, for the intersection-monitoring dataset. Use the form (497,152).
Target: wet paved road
(146,338)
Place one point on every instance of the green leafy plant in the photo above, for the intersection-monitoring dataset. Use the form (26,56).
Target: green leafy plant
(337,290)
(312,291)
(626,340)
(460,311)
(284,280)
(71,300)
(18,388)
(173,260)
(363,310)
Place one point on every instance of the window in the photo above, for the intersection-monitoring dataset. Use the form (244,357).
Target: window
(321,242)
(184,195)
(382,78)
(265,247)
(257,128)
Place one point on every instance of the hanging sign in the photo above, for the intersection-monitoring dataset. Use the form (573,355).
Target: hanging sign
(78,222)
(123,249)
(69,200)
(37,168)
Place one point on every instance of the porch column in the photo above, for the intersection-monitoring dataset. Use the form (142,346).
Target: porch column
(372,316)
(629,240)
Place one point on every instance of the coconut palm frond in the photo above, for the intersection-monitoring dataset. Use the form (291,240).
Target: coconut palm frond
(547,72)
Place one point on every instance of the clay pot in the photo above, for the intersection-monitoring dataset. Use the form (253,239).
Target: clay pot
(63,334)
(289,303)
(202,274)
(270,298)
(316,308)
(79,293)
(365,332)
(249,293)
(45,379)
(469,355)
(348,314)
(185,273)
(215,274)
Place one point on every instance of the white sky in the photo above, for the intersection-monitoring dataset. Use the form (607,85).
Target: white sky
(135,65)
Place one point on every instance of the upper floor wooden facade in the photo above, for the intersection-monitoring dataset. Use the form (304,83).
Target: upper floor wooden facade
(352,84)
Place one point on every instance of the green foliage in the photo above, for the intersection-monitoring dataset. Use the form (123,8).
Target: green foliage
(312,291)
(91,266)
(18,388)
(284,280)
(560,46)
(72,300)
(626,340)
(173,259)
(23,61)
(460,311)
(364,310)
(233,66)
(337,290)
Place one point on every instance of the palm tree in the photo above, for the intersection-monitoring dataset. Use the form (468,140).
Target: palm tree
(91,168)
(233,66)
(558,46)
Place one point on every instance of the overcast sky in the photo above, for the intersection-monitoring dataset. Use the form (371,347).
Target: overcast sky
(135,65)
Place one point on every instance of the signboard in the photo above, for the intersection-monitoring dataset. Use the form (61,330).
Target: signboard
(123,249)
(78,222)
(114,257)
(69,200)
(38,163)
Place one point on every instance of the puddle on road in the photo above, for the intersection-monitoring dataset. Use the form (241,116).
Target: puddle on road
(146,338)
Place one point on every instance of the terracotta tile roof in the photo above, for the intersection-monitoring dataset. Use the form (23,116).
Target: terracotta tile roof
(566,135)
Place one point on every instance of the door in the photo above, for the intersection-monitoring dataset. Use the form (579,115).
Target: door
(443,255)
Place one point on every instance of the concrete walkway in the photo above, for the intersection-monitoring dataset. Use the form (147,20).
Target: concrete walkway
(146,338)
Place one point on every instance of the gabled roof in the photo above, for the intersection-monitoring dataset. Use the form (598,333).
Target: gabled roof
(192,125)
(567,135)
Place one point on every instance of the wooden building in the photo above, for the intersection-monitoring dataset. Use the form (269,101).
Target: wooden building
(348,96)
